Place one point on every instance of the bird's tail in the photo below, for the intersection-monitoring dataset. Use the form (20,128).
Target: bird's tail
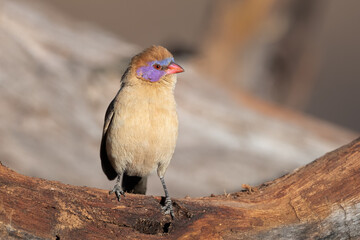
(134,184)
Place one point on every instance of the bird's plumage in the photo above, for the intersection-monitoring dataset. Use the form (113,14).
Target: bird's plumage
(154,53)
(105,162)
(142,132)
(141,125)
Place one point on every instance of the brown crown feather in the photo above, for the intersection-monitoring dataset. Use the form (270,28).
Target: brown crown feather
(150,54)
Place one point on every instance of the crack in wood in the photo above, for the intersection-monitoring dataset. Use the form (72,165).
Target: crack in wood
(294,210)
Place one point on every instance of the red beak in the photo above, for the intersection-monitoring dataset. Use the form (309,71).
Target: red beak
(174,68)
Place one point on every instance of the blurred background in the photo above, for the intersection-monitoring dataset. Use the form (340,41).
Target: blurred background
(268,86)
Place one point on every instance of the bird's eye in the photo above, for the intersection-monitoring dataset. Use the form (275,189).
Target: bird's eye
(157,66)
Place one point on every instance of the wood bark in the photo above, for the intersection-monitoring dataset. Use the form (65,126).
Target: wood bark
(320,200)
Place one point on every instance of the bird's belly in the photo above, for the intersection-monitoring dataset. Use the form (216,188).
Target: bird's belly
(139,142)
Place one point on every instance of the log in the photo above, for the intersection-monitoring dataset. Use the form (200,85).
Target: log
(320,200)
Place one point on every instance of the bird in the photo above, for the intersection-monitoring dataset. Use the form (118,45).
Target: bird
(141,124)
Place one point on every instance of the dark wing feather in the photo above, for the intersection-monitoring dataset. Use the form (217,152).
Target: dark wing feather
(105,163)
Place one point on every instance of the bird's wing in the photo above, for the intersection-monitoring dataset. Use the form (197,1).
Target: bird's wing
(105,163)
(108,116)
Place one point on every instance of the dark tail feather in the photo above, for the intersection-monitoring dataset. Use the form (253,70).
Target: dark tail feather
(105,163)
(134,184)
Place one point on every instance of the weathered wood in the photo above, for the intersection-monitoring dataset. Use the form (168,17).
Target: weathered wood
(320,200)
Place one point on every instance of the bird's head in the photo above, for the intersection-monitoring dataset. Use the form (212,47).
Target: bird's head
(155,64)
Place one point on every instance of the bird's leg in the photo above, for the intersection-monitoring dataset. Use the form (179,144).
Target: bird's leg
(168,204)
(117,189)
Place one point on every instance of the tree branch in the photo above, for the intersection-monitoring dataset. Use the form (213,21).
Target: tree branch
(320,200)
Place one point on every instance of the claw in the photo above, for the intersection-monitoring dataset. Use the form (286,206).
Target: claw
(167,208)
(118,192)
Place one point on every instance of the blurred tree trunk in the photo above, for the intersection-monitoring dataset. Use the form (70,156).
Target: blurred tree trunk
(268,48)
(318,201)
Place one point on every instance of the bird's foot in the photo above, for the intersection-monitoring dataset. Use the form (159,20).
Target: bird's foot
(118,191)
(168,208)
